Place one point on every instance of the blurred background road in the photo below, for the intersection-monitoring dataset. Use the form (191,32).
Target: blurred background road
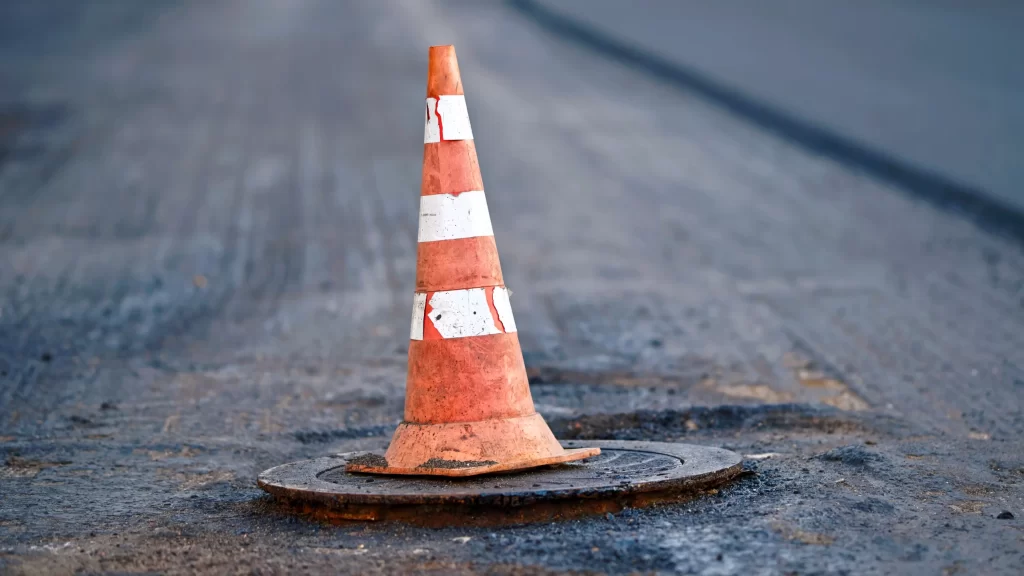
(750,229)
(934,84)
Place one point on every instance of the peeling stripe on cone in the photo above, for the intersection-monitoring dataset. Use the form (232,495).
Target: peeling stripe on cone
(461,313)
(447,119)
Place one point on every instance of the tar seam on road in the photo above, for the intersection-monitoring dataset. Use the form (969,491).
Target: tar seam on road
(964,200)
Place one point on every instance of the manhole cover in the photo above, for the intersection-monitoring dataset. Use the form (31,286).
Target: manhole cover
(624,474)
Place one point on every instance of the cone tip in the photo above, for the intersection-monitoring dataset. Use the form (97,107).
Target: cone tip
(443,72)
(441,53)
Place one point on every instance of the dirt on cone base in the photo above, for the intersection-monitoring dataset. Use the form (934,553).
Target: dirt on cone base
(455,464)
(369,459)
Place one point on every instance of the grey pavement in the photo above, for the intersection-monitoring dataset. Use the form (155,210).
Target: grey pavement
(207,251)
(937,85)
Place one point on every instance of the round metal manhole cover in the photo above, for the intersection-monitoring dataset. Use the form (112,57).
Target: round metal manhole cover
(624,474)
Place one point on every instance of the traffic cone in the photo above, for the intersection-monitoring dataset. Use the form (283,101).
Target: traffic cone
(468,408)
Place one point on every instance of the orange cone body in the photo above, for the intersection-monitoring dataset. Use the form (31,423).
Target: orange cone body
(468,408)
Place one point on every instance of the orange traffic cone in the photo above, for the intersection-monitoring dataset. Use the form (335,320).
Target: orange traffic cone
(468,408)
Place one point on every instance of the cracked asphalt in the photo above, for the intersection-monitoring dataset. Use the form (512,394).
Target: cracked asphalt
(207,251)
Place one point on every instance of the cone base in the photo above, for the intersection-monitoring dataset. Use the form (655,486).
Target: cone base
(567,456)
(471,448)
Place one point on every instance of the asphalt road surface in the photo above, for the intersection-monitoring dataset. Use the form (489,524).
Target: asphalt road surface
(207,251)
(935,84)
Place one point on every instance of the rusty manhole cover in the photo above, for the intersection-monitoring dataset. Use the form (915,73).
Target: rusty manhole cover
(624,474)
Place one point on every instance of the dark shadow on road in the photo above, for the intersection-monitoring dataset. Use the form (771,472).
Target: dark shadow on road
(974,203)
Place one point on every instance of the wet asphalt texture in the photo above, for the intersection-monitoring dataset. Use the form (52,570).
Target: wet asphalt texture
(207,251)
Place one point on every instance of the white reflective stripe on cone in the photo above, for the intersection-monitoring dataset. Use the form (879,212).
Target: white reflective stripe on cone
(419,304)
(454,116)
(450,216)
(504,308)
(462,313)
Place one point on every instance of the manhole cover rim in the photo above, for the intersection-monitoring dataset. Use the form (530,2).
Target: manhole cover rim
(701,465)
